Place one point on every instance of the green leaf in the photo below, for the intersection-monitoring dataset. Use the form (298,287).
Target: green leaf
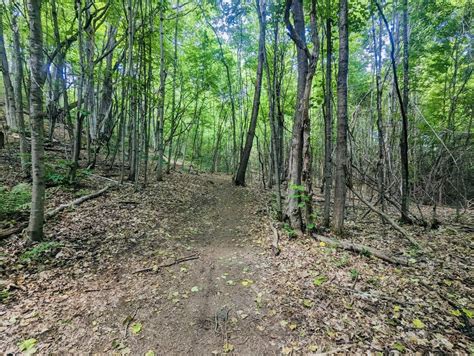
(136,328)
(150,353)
(469,313)
(399,347)
(28,346)
(456,312)
(417,323)
(195,289)
(307,303)
(319,280)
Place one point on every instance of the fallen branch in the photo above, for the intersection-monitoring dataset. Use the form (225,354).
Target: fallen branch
(175,262)
(76,202)
(51,213)
(397,227)
(128,320)
(349,246)
(276,238)
(12,230)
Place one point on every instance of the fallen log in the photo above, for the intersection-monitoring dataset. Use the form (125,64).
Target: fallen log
(76,202)
(354,247)
(51,213)
(387,218)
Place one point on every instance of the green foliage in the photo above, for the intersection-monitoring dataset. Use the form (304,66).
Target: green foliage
(41,251)
(343,261)
(15,200)
(4,295)
(289,230)
(57,173)
(354,273)
(28,346)
(319,280)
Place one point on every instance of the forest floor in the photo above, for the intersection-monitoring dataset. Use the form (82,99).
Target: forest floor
(85,292)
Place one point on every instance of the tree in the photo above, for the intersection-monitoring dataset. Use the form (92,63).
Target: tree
(328,126)
(38,75)
(299,161)
(245,156)
(341,146)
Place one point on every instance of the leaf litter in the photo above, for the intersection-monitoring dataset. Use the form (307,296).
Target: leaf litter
(310,298)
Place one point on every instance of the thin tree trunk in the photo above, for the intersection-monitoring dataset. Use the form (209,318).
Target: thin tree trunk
(17,86)
(240,176)
(38,75)
(341,147)
(161,102)
(4,67)
(328,122)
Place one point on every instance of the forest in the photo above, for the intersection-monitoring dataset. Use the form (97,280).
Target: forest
(243,177)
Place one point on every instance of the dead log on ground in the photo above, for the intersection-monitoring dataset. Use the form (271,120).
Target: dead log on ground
(51,213)
(397,227)
(349,246)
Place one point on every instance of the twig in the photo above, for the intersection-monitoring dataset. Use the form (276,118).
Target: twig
(175,262)
(129,320)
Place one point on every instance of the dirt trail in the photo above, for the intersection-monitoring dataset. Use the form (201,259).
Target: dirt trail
(206,305)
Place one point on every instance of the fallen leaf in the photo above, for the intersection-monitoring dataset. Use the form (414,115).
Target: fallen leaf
(417,323)
(195,289)
(136,328)
(28,346)
(228,347)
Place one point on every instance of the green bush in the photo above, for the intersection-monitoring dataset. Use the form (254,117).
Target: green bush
(16,200)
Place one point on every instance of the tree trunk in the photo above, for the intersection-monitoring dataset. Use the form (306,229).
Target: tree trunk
(17,86)
(240,176)
(341,146)
(328,122)
(4,67)
(161,102)
(80,115)
(377,43)
(38,75)
(404,136)
(295,159)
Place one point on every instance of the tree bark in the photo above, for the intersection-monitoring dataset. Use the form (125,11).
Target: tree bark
(295,159)
(341,146)
(161,101)
(17,88)
(240,176)
(404,136)
(4,67)
(38,75)
(328,122)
